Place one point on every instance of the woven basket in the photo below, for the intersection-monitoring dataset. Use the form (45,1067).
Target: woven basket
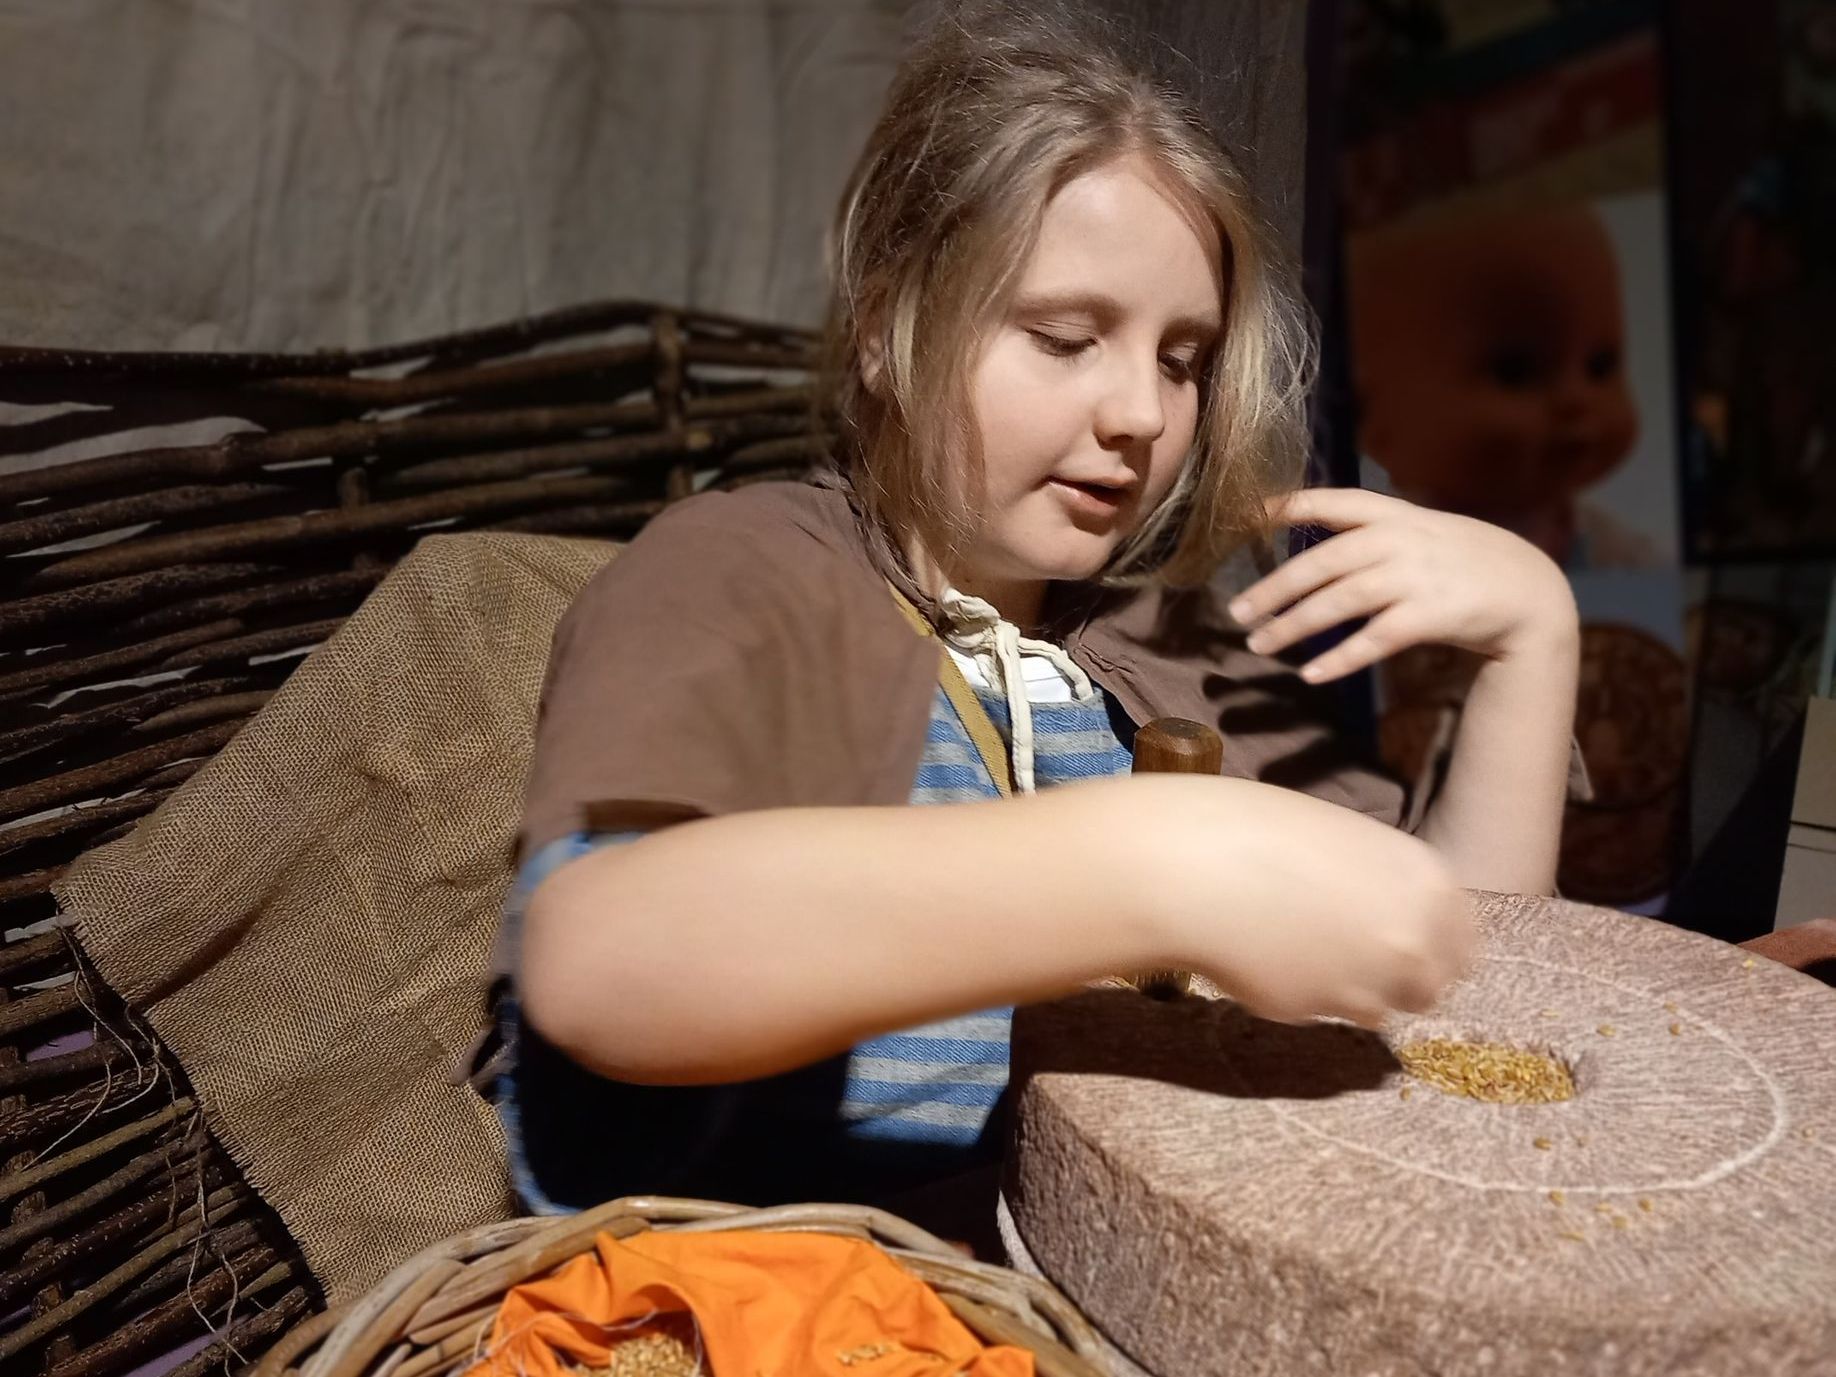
(433,1314)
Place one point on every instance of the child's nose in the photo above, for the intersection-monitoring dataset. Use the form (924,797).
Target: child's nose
(1131,409)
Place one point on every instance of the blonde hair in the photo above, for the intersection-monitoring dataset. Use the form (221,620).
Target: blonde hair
(993,111)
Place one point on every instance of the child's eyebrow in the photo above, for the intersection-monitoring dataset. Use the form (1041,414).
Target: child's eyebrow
(1106,310)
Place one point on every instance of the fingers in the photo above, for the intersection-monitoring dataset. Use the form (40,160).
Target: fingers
(1417,992)
(1306,572)
(1361,594)
(1384,635)
(1451,948)
(1368,1009)
(1413,990)
(1459,944)
(1366,1013)
(1337,509)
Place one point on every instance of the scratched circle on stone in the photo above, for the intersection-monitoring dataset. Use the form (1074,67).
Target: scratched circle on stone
(1653,1111)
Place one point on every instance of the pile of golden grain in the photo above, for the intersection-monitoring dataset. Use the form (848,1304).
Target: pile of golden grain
(670,1351)
(1488,1071)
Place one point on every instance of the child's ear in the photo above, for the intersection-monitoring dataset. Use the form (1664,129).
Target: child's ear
(871,347)
(873,361)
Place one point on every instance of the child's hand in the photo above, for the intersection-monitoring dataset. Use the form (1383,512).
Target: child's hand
(1294,906)
(1419,575)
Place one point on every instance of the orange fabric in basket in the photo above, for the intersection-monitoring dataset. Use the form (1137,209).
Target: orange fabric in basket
(766,1303)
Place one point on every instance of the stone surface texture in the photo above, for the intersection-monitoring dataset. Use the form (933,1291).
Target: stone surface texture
(1226,1195)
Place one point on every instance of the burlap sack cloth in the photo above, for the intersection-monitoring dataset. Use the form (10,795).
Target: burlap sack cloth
(307,922)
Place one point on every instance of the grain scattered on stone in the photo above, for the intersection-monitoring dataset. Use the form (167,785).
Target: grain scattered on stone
(1676,1030)
(1491,1072)
(1645,1205)
(1669,1008)
(1747,965)
(1542,1144)
(1572,1237)
(1557,1198)
(1607,1030)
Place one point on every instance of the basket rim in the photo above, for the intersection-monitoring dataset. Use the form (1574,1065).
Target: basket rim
(441,1288)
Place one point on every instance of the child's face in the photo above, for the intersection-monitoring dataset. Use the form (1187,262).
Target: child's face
(1087,393)
(1490,359)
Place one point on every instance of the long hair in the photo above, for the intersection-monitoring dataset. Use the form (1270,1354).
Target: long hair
(995,108)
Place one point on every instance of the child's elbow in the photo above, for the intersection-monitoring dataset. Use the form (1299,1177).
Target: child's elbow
(584,991)
(561,988)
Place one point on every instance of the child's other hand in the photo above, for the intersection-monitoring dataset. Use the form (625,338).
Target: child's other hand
(1420,576)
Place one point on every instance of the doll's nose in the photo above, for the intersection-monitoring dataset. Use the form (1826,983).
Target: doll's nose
(1573,398)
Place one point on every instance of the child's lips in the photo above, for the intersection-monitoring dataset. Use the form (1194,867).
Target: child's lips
(1090,503)
(1109,496)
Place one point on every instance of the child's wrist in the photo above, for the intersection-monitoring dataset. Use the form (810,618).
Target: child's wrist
(1182,832)
(1549,633)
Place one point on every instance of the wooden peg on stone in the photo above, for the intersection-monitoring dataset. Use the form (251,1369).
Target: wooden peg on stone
(1178,746)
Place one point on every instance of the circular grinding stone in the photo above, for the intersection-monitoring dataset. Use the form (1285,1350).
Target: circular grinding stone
(1222,1194)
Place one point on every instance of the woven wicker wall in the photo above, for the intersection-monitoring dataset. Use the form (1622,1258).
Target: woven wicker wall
(199,577)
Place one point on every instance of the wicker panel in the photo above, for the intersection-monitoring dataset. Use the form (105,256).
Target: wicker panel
(200,574)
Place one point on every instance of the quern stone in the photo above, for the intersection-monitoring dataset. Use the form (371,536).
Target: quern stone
(1222,1194)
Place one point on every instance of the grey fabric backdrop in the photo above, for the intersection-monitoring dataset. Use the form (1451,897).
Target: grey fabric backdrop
(285,174)
(279,174)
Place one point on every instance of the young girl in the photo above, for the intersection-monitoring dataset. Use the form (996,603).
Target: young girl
(775,905)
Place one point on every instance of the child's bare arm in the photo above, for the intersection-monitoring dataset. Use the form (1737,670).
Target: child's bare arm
(1423,576)
(736,947)
(1498,817)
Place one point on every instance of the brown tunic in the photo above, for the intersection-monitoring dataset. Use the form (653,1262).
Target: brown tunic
(743,652)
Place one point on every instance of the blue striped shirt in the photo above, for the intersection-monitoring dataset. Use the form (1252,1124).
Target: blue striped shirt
(929,1091)
(940,1083)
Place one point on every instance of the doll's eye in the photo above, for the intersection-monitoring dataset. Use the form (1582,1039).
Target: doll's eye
(1514,368)
(1602,364)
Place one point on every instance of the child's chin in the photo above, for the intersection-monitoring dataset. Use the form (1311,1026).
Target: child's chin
(1072,566)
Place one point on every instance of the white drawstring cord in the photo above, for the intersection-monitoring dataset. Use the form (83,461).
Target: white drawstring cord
(977,629)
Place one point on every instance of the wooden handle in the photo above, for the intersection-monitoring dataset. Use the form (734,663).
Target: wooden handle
(1178,746)
(1174,746)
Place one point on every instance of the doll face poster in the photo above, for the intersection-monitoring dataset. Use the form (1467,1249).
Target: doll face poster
(1499,373)
(1507,287)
